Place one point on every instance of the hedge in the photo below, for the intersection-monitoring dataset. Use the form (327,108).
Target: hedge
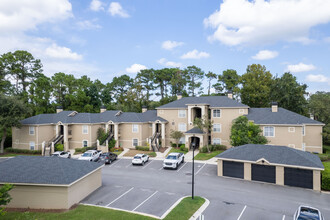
(326,177)
(84,149)
(323,157)
(22,151)
(213,148)
(183,148)
(143,148)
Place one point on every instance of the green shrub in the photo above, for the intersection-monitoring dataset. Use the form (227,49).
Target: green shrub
(219,147)
(323,157)
(116,149)
(143,148)
(112,144)
(152,154)
(183,148)
(22,151)
(59,147)
(84,149)
(203,149)
(173,145)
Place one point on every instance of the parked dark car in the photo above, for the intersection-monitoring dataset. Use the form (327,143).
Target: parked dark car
(107,158)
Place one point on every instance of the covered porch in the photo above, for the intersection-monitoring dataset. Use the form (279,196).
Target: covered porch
(196,136)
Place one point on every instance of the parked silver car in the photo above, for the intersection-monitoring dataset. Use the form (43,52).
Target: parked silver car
(62,154)
(307,213)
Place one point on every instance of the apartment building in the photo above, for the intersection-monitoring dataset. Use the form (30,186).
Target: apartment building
(153,127)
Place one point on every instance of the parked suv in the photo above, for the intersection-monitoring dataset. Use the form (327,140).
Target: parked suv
(173,160)
(140,159)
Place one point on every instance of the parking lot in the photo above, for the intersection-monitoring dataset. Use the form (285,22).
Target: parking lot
(151,190)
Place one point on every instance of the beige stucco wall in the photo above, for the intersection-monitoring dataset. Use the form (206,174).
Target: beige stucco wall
(247,171)
(220,168)
(313,138)
(317,180)
(39,197)
(126,135)
(84,187)
(285,138)
(279,175)
(54,197)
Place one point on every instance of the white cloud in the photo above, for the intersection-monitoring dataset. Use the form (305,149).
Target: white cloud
(96,5)
(265,55)
(169,45)
(16,15)
(300,67)
(88,25)
(194,54)
(165,62)
(135,68)
(115,9)
(55,51)
(243,22)
(317,78)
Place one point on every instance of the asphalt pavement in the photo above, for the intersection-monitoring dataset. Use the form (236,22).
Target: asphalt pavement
(151,190)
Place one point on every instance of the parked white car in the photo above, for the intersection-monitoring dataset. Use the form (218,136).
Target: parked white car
(90,155)
(62,154)
(140,159)
(307,212)
(173,160)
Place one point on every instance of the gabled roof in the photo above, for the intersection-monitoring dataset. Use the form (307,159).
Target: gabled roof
(212,101)
(195,130)
(273,154)
(282,116)
(44,170)
(104,117)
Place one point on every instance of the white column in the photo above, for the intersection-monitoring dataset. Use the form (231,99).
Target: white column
(106,127)
(57,129)
(116,127)
(153,128)
(66,139)
(43,148)
(189,115)
(163,134)
(203,111)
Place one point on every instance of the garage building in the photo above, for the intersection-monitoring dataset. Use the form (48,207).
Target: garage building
(49,182)
(272,164)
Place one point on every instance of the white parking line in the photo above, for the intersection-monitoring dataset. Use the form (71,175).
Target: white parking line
(147,164)
(239,217)
(144,201)
(283,217)
(181,167)
(161,168)
(120,196)
(200,169)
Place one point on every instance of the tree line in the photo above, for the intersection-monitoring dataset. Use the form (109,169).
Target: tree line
(22,77)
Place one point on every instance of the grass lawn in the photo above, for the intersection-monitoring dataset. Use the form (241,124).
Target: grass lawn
(176,150)
(206,156)
(79,213)
(186,208)
(183,211)
(132,153)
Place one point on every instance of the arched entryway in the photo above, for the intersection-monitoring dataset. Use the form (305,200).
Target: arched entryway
(194,141)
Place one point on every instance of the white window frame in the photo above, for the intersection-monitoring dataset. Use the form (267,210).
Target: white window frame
(85,131)
(82,144)
(292,129)
(264,131)
(135,128)
(137,142)
(214,140)
(214,113)
(303,130)
(182,124)
(182,113)
(32,145)
(32,130)
(214,128)
(182,140)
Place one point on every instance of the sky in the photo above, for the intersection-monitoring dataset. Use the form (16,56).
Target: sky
(103,39)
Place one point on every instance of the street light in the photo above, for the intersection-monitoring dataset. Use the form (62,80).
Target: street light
(193,144)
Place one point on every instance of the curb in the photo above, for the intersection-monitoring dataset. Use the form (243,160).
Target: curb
(200,210)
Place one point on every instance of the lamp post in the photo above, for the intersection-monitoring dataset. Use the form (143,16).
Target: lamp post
(193,144)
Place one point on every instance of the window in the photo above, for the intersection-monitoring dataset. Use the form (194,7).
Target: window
(269,131)
(216,113)
(292,129)
(216,127)
(85,129)
(182,127)
(303,130)
(216,141)
(182,140)
(182,113)
(31,130)
(135,142)
(85,143)
(135,128)
(32,145)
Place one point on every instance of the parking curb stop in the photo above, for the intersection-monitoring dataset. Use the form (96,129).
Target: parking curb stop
(200,210)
